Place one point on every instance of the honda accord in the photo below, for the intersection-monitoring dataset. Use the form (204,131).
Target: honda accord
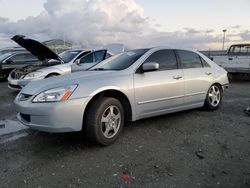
(129,86)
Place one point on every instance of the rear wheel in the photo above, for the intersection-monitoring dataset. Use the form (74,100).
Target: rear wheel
(104,121)
(214,97)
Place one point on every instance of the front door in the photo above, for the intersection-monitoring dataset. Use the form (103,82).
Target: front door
(161,91)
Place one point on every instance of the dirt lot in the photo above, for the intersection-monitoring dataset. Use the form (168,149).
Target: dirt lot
(194,148)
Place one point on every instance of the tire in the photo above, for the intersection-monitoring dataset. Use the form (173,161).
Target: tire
(213,98)
(52,75)
(101,125)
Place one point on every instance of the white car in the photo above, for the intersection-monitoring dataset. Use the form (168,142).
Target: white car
(236,61)
(57,64)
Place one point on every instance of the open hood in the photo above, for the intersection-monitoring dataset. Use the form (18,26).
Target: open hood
(39,50)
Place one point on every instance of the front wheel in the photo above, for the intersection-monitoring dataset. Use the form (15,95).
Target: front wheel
(214,97)
(104,120)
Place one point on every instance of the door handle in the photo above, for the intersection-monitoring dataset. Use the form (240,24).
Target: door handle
(208,73)
(177,77)
(230,58)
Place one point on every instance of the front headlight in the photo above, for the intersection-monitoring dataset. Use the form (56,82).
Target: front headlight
(55,95)
(33,75)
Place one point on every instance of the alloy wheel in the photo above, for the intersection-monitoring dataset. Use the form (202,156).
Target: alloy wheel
(214,96)
(111,121)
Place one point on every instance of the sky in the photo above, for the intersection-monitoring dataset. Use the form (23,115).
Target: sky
(93,23)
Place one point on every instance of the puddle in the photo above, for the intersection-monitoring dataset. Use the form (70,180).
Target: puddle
(12,137)
(10,126)
(11,130)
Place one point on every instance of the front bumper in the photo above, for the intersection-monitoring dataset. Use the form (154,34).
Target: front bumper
(19,84)
(54,117)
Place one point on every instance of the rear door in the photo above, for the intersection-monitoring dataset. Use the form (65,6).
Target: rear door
(198,77)
(161,91)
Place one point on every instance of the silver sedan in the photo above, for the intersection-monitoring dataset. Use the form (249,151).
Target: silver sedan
(129,86)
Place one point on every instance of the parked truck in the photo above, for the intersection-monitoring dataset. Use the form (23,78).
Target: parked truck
(236,61)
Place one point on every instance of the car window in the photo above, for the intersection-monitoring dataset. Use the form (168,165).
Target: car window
(83,54)
(204,63)
(240,50)
(120,61)
(30,57)
(19,57)
(4,56)
(67,56)
(189,59)
(165,58)
(108,55)
(99,55)
(23,58)
(87,58)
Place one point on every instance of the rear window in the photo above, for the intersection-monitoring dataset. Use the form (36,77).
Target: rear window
(239,50)
(189,59)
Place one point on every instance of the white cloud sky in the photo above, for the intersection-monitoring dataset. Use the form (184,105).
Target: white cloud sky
(95,23)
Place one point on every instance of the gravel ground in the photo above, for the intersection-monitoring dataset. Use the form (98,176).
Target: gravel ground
(194,148)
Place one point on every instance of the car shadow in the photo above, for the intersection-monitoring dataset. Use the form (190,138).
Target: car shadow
(79,140)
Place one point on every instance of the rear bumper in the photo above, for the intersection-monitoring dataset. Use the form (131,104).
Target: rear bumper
(54,117)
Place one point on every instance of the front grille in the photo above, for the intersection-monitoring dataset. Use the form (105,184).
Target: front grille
(24,97)
(26,117)
(15,86)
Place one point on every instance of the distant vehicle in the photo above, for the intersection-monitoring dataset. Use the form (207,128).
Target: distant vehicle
(236,61)
(13,60)
(129,86)
(90,60)
(211,53)
(12,50)
(93,58)
(19,77)
(84,60)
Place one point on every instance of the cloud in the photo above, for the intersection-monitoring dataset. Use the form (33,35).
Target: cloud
(94,23)
(245,35)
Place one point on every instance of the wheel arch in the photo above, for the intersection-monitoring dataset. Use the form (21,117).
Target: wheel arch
(52,73)
(219,84)
(114,93)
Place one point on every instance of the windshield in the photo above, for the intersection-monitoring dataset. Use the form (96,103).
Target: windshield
(120,61)
(67,56)
(4,56)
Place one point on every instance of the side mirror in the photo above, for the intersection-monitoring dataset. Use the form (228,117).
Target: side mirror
(150,66)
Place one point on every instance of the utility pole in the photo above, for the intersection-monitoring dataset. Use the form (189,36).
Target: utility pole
(224,31)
